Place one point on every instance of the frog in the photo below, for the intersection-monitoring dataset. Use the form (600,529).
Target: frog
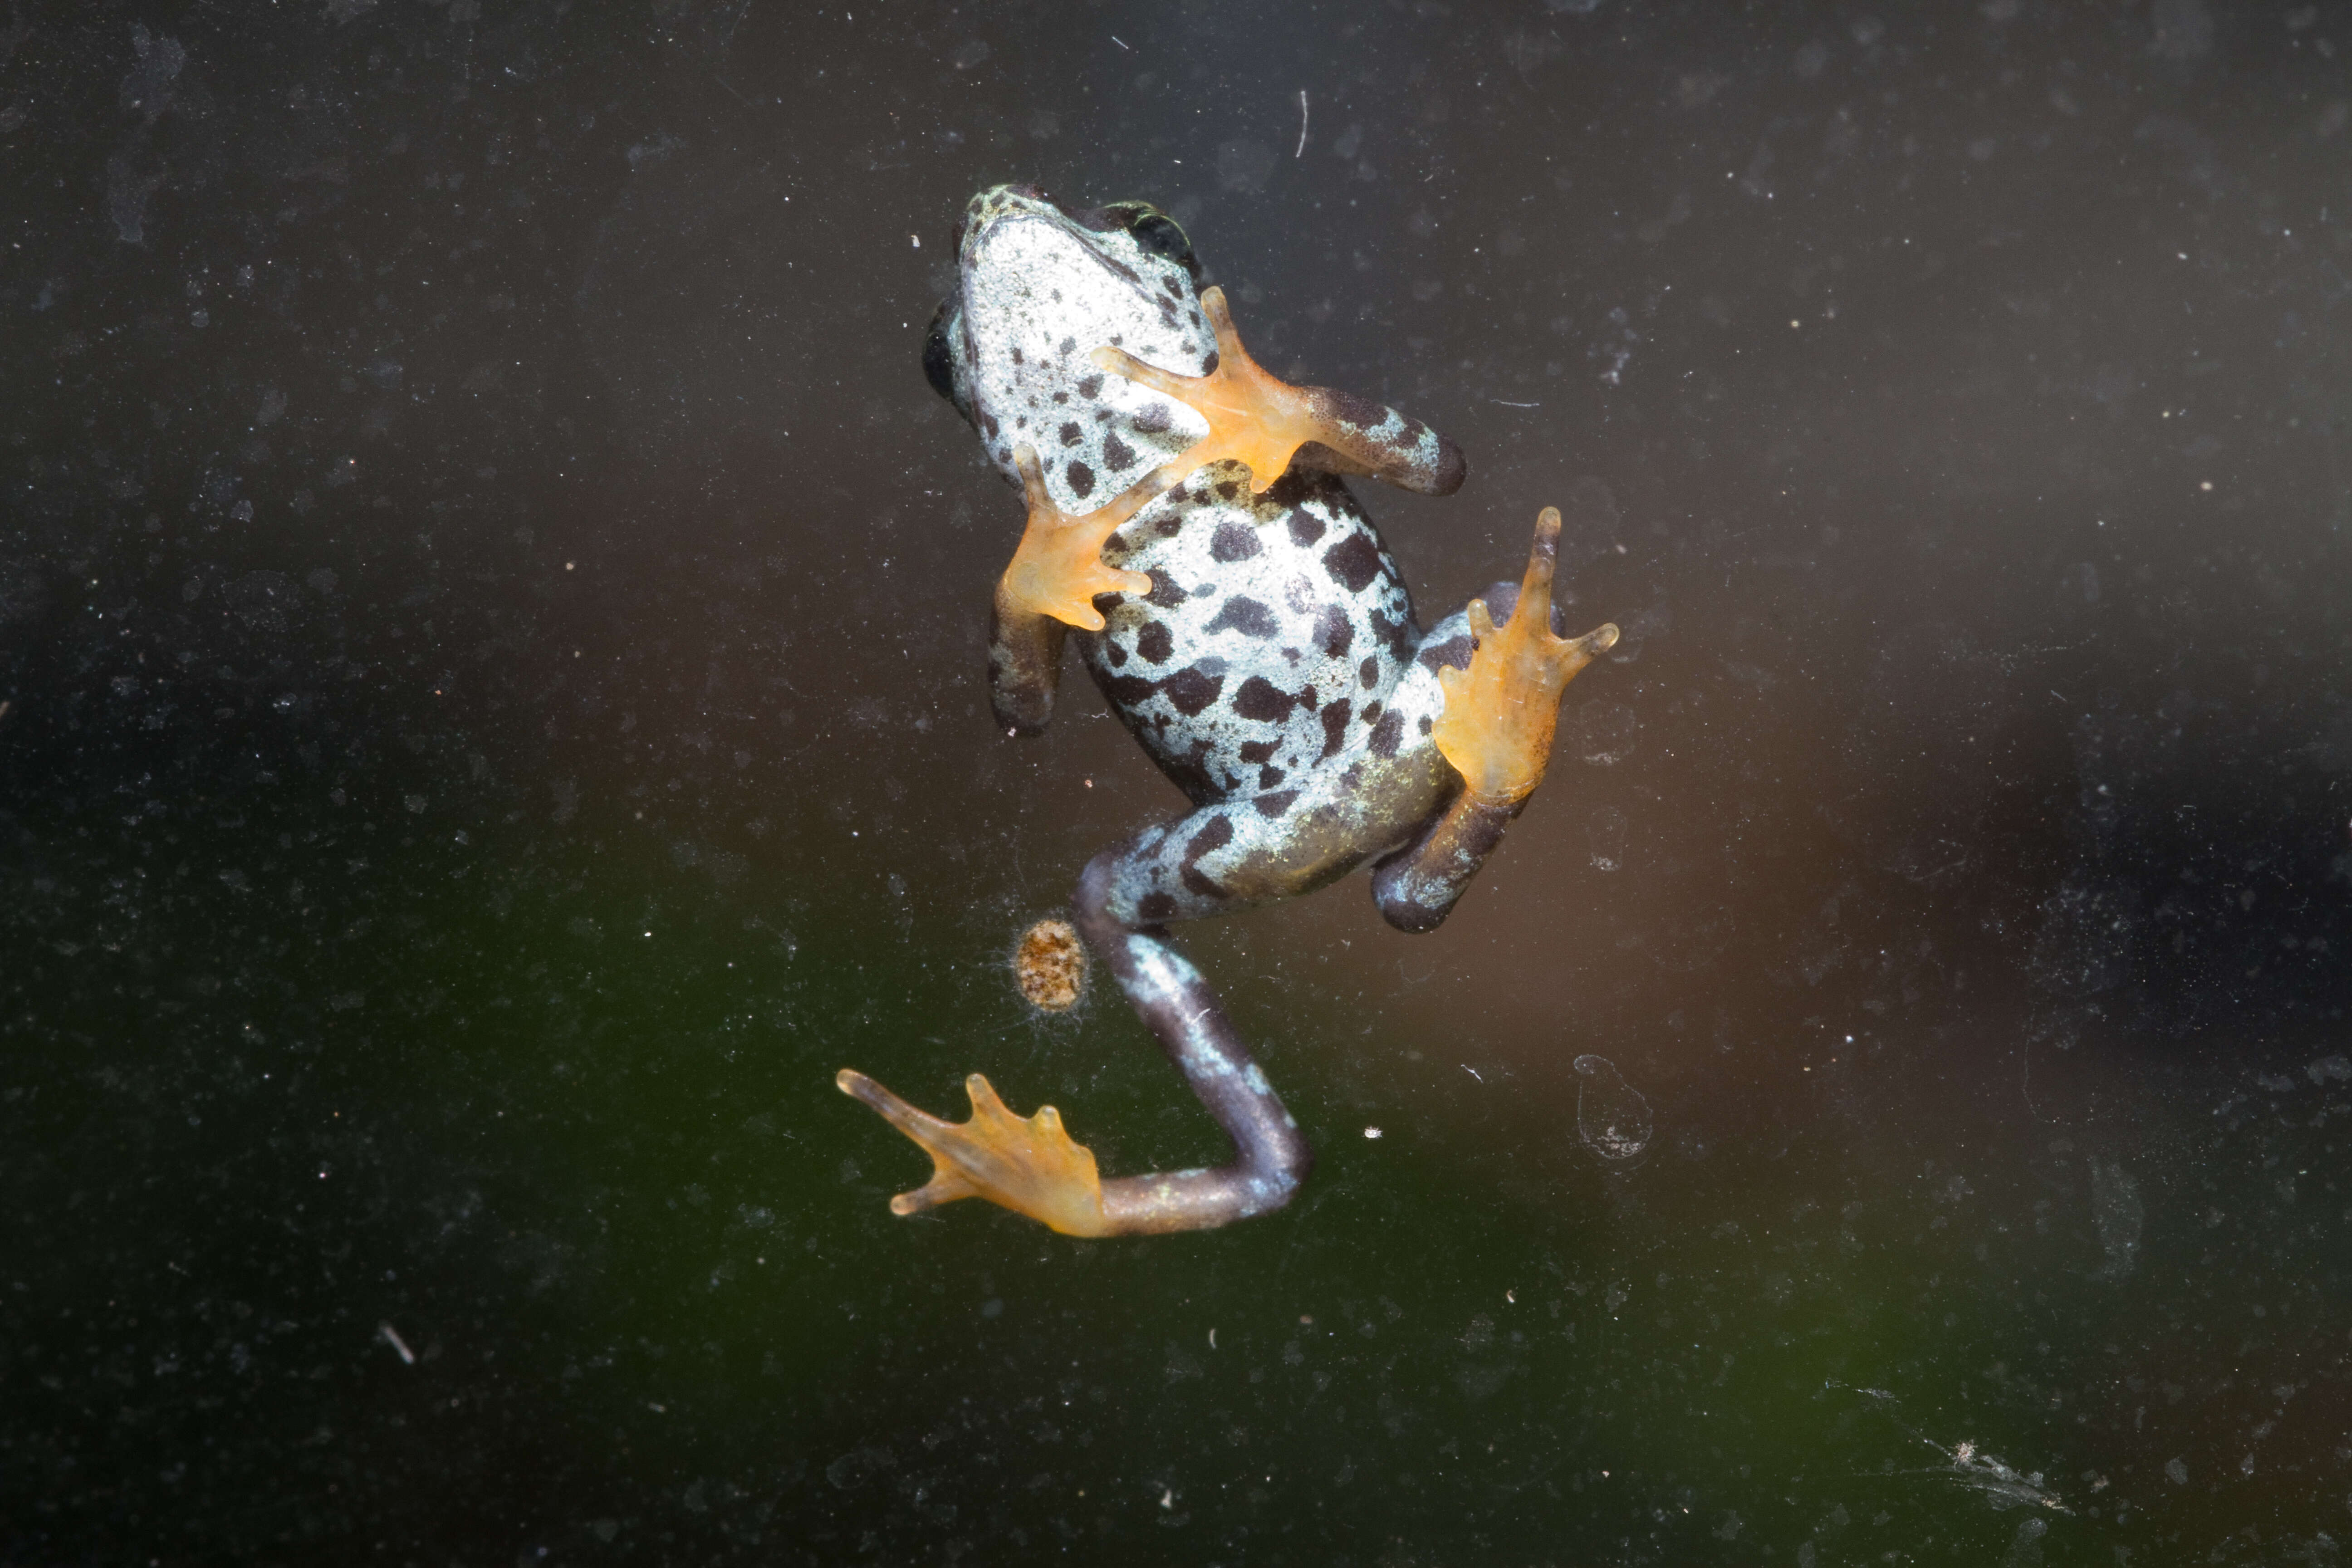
(1191,529)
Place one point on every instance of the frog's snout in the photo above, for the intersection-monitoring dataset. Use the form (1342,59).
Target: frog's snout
(990,203)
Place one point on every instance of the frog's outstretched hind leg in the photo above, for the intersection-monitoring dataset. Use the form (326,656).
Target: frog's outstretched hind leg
(1271,1157)
(1501,709)
(1032,1168)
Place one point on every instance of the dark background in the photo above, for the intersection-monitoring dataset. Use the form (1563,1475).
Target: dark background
(490,620)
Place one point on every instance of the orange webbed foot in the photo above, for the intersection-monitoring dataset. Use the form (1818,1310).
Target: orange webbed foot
(1058,568)
(1031,1167)
(1261,421)
(1500,713)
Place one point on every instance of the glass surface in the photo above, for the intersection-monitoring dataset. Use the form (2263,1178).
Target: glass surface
(492,718)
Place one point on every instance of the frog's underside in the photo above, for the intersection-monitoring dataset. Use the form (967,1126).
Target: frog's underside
(1263,650)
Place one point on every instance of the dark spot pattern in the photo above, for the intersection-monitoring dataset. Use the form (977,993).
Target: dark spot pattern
(1118,453)
(1272,806)
(1164,593)
(1129,690)
(1082,478)
(1191,775)
(1262,700)
(1372,713)
(1090,387)
(1196,880)
(1234,542)
(1306,528)
(1227,489)
(1069,433)
(1354,562)
(1369,672)
(1386,734)
(1357,410)
(1215,835)
(1453,653)
(1155,907)
(1269,777)
(1155,642)
(1245,614)
(1115,651)
(1334,633)
(1334,726)
(1152,421)
(1258,751)
(1189,691)
(1397,632)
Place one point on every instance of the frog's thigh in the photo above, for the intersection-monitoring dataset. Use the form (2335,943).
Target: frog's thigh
(1242,853)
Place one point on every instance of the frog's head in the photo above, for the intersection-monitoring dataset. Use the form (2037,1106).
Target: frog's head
(1039,288)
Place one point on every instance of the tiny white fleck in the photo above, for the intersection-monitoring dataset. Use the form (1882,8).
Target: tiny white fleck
(1371,1131)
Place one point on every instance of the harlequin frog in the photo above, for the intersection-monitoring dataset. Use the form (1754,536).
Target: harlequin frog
(1188,521)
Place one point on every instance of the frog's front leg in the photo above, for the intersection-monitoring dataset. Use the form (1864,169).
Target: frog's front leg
(1050,585)
(1501,710)
(1255,419)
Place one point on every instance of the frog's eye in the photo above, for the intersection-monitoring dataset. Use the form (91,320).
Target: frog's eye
(939,355)
(1159,235)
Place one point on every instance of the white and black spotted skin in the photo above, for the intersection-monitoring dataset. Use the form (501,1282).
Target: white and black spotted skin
(1039,292)
(1278,625)
(1274,671)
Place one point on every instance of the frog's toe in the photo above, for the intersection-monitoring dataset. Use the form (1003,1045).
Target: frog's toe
(1500,713)
(1058,569)
(1030,1166)
(1262,421)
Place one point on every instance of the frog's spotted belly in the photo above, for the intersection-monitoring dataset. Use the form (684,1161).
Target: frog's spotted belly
(1235,690)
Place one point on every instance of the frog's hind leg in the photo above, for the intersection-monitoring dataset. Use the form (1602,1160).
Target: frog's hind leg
(1224,856)
(1271,1157)
(1032,1168)
(1502,685)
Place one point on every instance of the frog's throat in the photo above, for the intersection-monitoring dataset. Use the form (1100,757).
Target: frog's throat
(1500,713)
(1058,568)
(1255,418)
(1031,1167)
